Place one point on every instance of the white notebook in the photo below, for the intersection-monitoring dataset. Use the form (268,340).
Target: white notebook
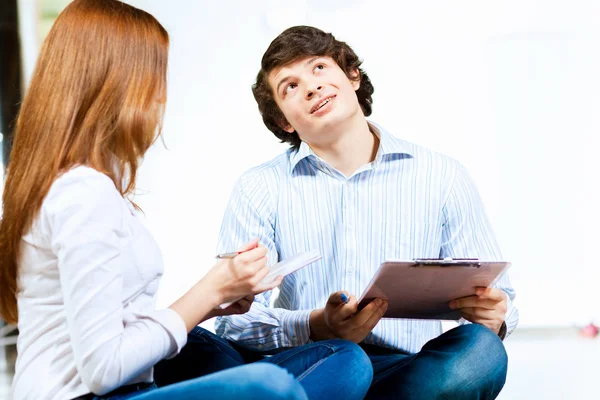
(287,267)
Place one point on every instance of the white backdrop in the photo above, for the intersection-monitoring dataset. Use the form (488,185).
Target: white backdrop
(509,88)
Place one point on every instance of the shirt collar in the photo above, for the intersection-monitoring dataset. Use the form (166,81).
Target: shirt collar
(388,144)
(303,152)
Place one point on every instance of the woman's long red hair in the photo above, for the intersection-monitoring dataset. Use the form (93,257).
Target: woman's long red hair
(96,98)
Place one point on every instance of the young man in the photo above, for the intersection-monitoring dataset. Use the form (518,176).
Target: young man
(360,196)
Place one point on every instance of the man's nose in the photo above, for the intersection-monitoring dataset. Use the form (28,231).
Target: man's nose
(312,90)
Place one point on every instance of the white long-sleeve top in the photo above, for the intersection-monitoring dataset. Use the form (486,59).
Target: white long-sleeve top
(88,274)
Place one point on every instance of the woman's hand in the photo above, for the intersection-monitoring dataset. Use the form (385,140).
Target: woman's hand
(234,278)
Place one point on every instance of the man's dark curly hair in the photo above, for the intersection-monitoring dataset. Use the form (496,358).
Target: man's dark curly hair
(297,43)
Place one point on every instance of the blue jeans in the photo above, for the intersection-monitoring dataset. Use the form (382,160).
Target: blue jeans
(324,369)
(467,362)
(241,383)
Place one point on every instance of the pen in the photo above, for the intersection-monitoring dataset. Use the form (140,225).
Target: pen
(228,255)
(445,259)
(235,253)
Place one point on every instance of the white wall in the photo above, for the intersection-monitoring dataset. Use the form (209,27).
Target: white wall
(509,88)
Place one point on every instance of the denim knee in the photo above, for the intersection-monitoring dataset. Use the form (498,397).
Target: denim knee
(352,350)
(356,364)
(269,381)
(480,366)
(485,341)
(348,347)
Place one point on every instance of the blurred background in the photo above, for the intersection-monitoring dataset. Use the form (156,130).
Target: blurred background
(511,89)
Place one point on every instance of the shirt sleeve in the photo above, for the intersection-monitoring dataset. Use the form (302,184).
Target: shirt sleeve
(250,214)
(89,231)
(467,234)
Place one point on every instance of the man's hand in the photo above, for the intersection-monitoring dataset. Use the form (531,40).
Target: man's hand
(241,306)
(487,307)
(343,320)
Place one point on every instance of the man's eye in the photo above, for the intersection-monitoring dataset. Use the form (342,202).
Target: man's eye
(290,86)
(320,66)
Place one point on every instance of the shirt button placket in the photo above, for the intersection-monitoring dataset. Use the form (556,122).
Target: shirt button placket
(350,234)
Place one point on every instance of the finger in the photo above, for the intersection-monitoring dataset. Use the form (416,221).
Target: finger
(245,304)
(341,305)
(276,282)
(374,319)
(473,318)
(345,310)
(249,246)
(479,312)
(478,318)
(245,301)
(237,305)
(259,273)
(249,270)
(468,301)
(492,324)
(257,265)
(365,314)
(249,298)
(473,301)
(251,255)
(337,298)
(490,293)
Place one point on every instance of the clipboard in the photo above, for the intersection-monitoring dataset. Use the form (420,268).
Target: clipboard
(422,288)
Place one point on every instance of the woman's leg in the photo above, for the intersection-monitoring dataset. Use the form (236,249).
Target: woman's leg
(205,353)
(323,368)
(256,381)
(329,369)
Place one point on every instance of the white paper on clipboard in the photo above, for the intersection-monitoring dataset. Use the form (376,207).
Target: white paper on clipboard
(422,289)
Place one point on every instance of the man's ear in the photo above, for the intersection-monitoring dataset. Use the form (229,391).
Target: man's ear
(288,128)
(283,124)
(355,79)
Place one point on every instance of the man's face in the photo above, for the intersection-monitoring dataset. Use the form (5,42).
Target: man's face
(315,96)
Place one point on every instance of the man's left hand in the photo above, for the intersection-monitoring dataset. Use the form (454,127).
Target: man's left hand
(241,306)
(487,307)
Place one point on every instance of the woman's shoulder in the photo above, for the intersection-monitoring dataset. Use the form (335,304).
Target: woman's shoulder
(79,186)
(83,179)
(82,175)
(75,196)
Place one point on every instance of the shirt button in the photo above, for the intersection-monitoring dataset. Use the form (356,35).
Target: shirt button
(350,270)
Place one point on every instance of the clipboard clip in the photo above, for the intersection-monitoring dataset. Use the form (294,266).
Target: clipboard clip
(446,262)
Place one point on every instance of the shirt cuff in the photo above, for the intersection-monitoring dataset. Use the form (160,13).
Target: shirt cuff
(175,327)
(512,317)
(295,325)
(502,331)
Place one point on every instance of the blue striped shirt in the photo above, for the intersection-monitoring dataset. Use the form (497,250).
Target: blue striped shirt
(410,202)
